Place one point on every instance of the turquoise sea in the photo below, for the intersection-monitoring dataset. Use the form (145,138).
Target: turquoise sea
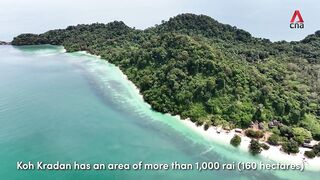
(56,106)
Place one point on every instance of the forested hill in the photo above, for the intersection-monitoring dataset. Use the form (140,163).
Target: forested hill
(214,73)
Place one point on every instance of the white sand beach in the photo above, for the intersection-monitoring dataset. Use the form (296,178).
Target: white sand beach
(273,153)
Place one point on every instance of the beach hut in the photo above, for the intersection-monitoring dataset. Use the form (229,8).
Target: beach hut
(307,145)
(238,130)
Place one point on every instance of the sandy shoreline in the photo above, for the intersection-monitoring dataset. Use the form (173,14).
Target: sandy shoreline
(273,153)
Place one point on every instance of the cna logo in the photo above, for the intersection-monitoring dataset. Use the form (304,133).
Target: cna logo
(296,21)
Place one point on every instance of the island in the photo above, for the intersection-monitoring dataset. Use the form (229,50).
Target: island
(213,74)
(4,43)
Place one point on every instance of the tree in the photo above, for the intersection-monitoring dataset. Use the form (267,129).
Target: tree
(279,107)
(300,135)
(295,116)
(276,131)
(221,83)
(310,154)
(316,149)
(311,123)
(273,140)
(290,147)
(286,131)
(254,134)
(299,139)
(207,124)
(235,141)
(259,134)
(316,136)
(254,147)
(265,146)
(145,82)
(260,113)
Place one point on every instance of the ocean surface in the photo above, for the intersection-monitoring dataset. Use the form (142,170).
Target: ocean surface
(57,106)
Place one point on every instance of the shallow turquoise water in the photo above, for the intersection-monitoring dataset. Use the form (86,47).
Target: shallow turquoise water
(74,107)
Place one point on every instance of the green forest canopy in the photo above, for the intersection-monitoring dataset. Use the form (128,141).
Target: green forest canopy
(213,73)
